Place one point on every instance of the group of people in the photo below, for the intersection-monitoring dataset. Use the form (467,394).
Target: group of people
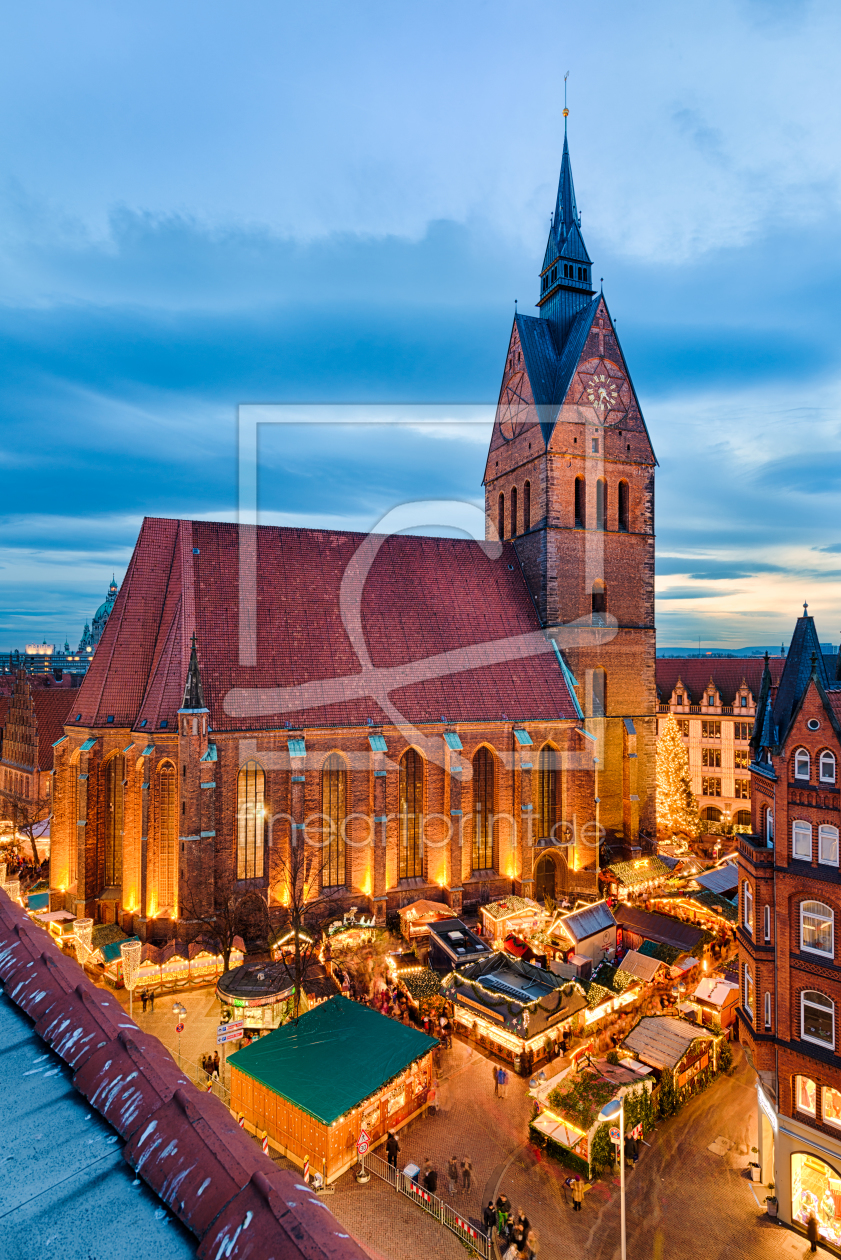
(210,1066)
(500,1082)
(517,1239)
(147,995)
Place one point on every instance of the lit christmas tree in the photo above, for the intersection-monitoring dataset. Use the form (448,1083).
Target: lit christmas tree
(677,811)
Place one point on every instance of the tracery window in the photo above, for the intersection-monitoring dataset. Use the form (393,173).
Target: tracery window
(251,820)
(410,856)
(334,814)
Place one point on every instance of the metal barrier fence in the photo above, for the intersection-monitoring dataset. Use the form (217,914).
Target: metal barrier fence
(443,1212)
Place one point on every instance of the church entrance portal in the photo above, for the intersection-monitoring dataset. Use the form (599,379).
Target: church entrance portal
(544,878)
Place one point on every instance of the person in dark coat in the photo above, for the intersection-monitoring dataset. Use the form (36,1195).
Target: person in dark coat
(431,1181)
(392,1147)
(489,1217)
(812,1232)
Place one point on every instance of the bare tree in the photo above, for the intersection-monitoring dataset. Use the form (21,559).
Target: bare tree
(227,914)
(304,911)
(25,813)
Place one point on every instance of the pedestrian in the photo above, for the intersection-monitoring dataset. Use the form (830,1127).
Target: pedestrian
(466,1175)
(577,1194)
(532,1244)
(452,1175)
(503,1211)
(144,998)
(503,1083)
(152,1001)
(432,1096)
(392,1148)
(216,1065)
(489,1218)
(431,1179)
(496,1072)
(522,1221)
(812,1232)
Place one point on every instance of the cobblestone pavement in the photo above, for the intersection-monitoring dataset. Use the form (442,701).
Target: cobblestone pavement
(682,1200)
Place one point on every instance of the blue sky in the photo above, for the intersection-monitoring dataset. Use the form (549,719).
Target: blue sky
(202,206)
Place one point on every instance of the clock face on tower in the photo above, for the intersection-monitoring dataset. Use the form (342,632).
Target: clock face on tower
(604,387)
(513,406)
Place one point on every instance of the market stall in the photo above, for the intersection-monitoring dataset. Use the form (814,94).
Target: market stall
(633,879)
(520,915)
(314,1085)
(260,994)
(518,1011)
(452,944)
(668,1043)
(416,918)
(586,933)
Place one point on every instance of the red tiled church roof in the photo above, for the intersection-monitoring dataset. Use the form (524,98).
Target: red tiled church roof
(727,672)
(453,633)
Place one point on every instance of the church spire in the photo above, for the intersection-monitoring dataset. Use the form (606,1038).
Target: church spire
(193,694)
(566,274)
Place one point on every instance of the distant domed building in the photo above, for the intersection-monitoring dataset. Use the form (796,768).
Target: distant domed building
(92,635)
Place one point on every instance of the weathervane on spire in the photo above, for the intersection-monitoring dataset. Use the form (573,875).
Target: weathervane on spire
(805,610)
(566,111)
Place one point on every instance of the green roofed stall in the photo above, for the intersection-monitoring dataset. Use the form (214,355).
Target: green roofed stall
(313,1086)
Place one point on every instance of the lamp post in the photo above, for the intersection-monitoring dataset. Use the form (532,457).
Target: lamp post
(180,1011)
(608,1114)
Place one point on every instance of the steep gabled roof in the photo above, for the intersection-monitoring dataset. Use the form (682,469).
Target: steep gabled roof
(804,655)
(448,632)
(727,672)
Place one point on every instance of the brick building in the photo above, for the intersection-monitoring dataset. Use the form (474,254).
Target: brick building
(32,717)
(789,933)
(443,715)
(713,700)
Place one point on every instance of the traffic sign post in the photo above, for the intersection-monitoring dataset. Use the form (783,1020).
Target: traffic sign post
(362,1145)
(614,1136)
(232,1031)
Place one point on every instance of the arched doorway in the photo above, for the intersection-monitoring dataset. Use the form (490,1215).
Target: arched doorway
(544,878)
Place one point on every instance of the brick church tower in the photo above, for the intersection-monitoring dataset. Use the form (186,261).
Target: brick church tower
(570,479)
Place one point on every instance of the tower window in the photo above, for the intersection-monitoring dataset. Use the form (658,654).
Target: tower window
(514,512)
(599,693)
(598,599)
(601,504)
(595,446)
(624,513)
(580,510)
(500,519)
(527,521)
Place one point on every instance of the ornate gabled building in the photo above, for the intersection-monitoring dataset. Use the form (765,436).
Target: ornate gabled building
(789,933)
(439,717)
(32,718)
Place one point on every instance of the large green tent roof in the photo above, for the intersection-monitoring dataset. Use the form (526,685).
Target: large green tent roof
(337,1055)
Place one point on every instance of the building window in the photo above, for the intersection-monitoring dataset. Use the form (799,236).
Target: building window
(74,824)
(766,923)
(624,507)
(816,928)
(827,767)
(711,813)
(598,601)
(513,511)
(742,819)
(805,1094)
(580,503)
(601,503)
(747,901)
(817,1019)
(769,828)
(500,518)
(334,813)
(599,693)
(527,507)
(741,731)
(742,792)
(801,764)
(115,773)
(683,727)
(251,820)
(679,699)
(595,446)
(801,841)
(741,758)
(483,810)
(548,793)
(167,835)
(410,858)
(711,700)
(831,1105)
(767,1012)
(828,845)
(710,730)
(711,757)
(748,1003)
(711,787)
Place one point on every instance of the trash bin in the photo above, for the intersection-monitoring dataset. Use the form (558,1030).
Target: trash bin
(412,1171)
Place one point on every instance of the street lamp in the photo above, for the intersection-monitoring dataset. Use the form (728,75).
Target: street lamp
(180,1011)
(608,1114)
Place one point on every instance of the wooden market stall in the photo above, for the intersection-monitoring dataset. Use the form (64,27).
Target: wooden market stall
(312,1086)
(520,915)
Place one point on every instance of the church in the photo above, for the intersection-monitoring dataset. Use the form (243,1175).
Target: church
(431,717)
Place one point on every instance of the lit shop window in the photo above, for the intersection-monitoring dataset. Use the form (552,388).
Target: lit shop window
(831,1106)
(816,1191)
(804,1094)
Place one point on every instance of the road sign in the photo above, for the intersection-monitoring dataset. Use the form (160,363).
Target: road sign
(231,1026)
(636,1132)
(363,1143)
(614,1135)
(236,1035)
(179,1028)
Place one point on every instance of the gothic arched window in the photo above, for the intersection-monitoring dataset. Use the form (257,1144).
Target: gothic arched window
(115,773)
(334,811)
(410,857)
(599,693)
(601,503)
(624,506)
(513,511)
(500,517)
(483,810)
(580,503)
(548,792)
(598,599)
(251,820)
(527,507)
(167,833)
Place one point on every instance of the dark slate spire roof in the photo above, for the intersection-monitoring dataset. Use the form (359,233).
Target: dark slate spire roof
(193,694)
(562,297)
(804,656)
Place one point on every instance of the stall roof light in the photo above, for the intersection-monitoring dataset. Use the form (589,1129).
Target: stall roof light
(452,741)
(378,743)
(297,747)
(522,737)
